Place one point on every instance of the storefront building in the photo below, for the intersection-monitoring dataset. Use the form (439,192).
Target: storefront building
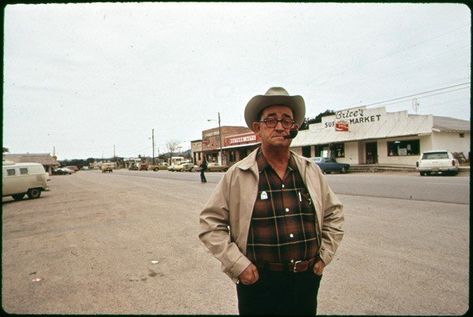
(238,146)
(235,142)
(355,136)
(374,136)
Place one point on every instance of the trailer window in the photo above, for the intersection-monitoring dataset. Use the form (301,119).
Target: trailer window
(11,172)
(23,171)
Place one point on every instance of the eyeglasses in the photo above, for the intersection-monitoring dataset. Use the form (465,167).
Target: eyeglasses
(273,122)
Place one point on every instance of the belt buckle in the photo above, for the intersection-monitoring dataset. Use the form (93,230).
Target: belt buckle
(294,269)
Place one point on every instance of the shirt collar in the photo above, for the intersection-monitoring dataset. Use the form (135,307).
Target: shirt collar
(263,163)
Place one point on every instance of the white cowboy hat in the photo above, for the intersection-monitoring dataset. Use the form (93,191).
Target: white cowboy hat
(275,96)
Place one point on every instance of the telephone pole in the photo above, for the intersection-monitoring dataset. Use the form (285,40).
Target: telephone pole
(152,138)
(220,138)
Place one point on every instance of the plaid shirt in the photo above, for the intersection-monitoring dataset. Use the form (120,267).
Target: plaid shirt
(282,227)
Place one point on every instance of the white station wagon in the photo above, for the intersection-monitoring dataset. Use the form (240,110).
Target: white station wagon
(437,162)
(20,179)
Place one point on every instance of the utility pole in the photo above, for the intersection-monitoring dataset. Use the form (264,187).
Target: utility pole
(152,137)
(220,139)
(114,152)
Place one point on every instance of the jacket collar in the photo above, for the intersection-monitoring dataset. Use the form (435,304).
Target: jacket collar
(249,162)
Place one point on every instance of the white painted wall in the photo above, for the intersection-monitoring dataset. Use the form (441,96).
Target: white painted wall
(451,141)
(425,143)
(351,153)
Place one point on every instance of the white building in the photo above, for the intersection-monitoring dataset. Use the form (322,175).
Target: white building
(374,136)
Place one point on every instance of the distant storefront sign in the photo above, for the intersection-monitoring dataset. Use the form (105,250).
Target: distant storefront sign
(352,116)
(241,139)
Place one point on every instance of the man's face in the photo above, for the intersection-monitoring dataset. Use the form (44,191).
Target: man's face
(275,136)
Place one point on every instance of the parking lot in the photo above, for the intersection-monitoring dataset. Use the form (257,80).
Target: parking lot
(126,243)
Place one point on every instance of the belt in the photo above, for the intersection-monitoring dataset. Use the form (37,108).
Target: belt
(296,266)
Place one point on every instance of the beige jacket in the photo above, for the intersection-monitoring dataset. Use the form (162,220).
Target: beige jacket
(225,219)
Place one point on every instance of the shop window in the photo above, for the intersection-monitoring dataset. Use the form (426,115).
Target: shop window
(403,148)
(11,172)
(338,150)
(23,171)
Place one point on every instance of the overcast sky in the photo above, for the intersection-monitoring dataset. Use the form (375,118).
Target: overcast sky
(83,78)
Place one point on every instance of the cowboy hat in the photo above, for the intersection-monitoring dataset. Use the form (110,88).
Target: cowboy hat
(275,96)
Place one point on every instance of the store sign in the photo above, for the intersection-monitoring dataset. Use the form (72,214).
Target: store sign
(240,139)
(351,117)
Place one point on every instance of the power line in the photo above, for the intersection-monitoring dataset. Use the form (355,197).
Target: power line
(435,94)
(389,54)
(417,94)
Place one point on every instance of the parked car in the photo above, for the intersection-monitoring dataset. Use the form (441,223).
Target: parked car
(185,166)
(160,166)
(215,167)
(20,179)
(107,167)
(73,168)
(329,165)
(61,171)
(437,162)
(172,167)
(133,167)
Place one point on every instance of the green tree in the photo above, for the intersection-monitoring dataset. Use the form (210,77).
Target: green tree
(316,119)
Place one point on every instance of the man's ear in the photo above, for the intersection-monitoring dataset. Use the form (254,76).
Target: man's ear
(256,127)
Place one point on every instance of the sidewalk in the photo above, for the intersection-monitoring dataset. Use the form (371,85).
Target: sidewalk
(373,168)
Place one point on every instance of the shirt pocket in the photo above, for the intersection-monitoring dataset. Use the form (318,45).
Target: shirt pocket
(263,205)
(305,200)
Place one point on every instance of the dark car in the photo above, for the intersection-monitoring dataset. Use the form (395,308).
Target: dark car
(328,165)
(61,171)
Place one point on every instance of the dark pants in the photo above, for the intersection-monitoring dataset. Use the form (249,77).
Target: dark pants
(202,177)
(280,293)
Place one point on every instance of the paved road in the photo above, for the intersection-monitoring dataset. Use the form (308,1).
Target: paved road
(403,185)
(126,243)
(411,186)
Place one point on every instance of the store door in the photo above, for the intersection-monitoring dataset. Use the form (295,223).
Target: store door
(372,153)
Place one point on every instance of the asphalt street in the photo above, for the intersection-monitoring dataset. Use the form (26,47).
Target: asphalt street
(126,243)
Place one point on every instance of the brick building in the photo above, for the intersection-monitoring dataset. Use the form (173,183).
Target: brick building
(236,143)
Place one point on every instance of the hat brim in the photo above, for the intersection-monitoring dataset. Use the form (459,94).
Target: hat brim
(258,103)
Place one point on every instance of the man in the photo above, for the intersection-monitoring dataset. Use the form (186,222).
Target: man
(203,168)
(273,221)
